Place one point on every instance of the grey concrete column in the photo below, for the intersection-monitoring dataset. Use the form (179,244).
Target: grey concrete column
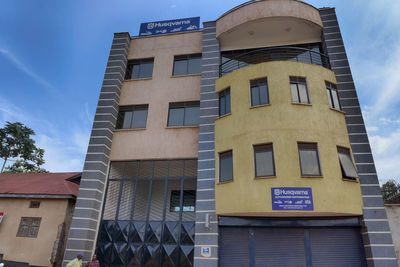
(376,233)
(205,197)
(85,221)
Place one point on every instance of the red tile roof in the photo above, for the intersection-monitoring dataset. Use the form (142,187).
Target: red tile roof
(39,183)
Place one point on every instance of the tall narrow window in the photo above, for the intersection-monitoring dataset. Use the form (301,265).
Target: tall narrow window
(264,160)
(309,159)
(259,92)
(132,117)
(346,163)
(225,102)
(139,69)
(333,96)
(184,113)
(187,64)
(298,87)
(225,166)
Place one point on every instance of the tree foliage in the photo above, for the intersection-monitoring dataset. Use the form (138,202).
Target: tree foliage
(390,189)
(16,143)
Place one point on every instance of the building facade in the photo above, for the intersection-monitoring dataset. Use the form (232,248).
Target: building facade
(238,144)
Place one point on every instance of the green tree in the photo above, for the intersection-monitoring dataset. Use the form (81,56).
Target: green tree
(16,143)
(390,189)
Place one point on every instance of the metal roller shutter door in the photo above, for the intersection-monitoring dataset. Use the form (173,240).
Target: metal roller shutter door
(234,247)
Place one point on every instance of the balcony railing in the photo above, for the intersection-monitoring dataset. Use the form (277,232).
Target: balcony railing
(287,53)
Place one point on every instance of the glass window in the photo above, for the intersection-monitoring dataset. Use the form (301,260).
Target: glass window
(34,204)
(259,92)
(184,113)
(264,160)
(225,166)
(189,200)
(132,117)
(187,64)
(225,102)
(346,163)
(333,96)
(139,69)
(298,87)
(29,227)
(309,159)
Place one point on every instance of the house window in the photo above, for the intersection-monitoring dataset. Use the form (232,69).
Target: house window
(184,113)
(187,64)
(346,164)
(264,160)
(34,204)
(189,200)
(259,92)
(309,159)
(29,227)
(132,117)
(225,166)
(333,96)
(225,102)
(139,69)
(298,87)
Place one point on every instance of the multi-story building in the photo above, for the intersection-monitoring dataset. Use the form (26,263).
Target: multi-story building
(238,144)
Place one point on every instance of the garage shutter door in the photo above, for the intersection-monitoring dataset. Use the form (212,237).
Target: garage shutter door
(276,247)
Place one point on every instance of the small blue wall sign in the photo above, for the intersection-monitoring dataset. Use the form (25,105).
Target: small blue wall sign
(292,198)
(169,26)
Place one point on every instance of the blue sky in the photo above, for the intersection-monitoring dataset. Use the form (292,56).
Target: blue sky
(53,56)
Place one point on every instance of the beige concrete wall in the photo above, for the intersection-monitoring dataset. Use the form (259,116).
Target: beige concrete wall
(158,141)
(269,23)
(36,251)
(393,214)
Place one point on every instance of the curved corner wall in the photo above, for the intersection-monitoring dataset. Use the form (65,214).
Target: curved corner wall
(283,124)
(269,23)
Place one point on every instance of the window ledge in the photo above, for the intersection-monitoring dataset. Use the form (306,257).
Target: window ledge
(225,182)
(183,126)
(260,106)
(301,104)
(264,177)
(186,75)
(131,129)
(312,176)
(337,110)
(140,79)
(223,116)
(350,180)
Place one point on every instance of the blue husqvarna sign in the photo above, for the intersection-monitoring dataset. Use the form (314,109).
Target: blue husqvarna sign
(169,26)
(292,198)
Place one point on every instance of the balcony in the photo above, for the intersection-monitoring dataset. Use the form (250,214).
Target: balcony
(237,60)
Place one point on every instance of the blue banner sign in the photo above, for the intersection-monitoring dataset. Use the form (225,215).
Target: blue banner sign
(292,198)
(169,26)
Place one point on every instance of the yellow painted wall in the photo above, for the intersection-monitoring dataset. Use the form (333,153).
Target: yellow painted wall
(36,251)
(283,124)
(157,141)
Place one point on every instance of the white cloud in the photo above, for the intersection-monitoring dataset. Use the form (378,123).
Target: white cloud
(21,66)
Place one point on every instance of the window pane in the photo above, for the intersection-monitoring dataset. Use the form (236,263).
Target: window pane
(175,117)
(146,70)
(309,162)
(175,200)
(295,96)
(264,163)
(222,105)
(347,165)
(194,65)
(139,118)
(189,200)
(329,98)
(127,120)
(226,167)
(263,94)
(192,115)
(228,103)
(136,71)
(180,67)
(303,93)
(335,99)
(255,96)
